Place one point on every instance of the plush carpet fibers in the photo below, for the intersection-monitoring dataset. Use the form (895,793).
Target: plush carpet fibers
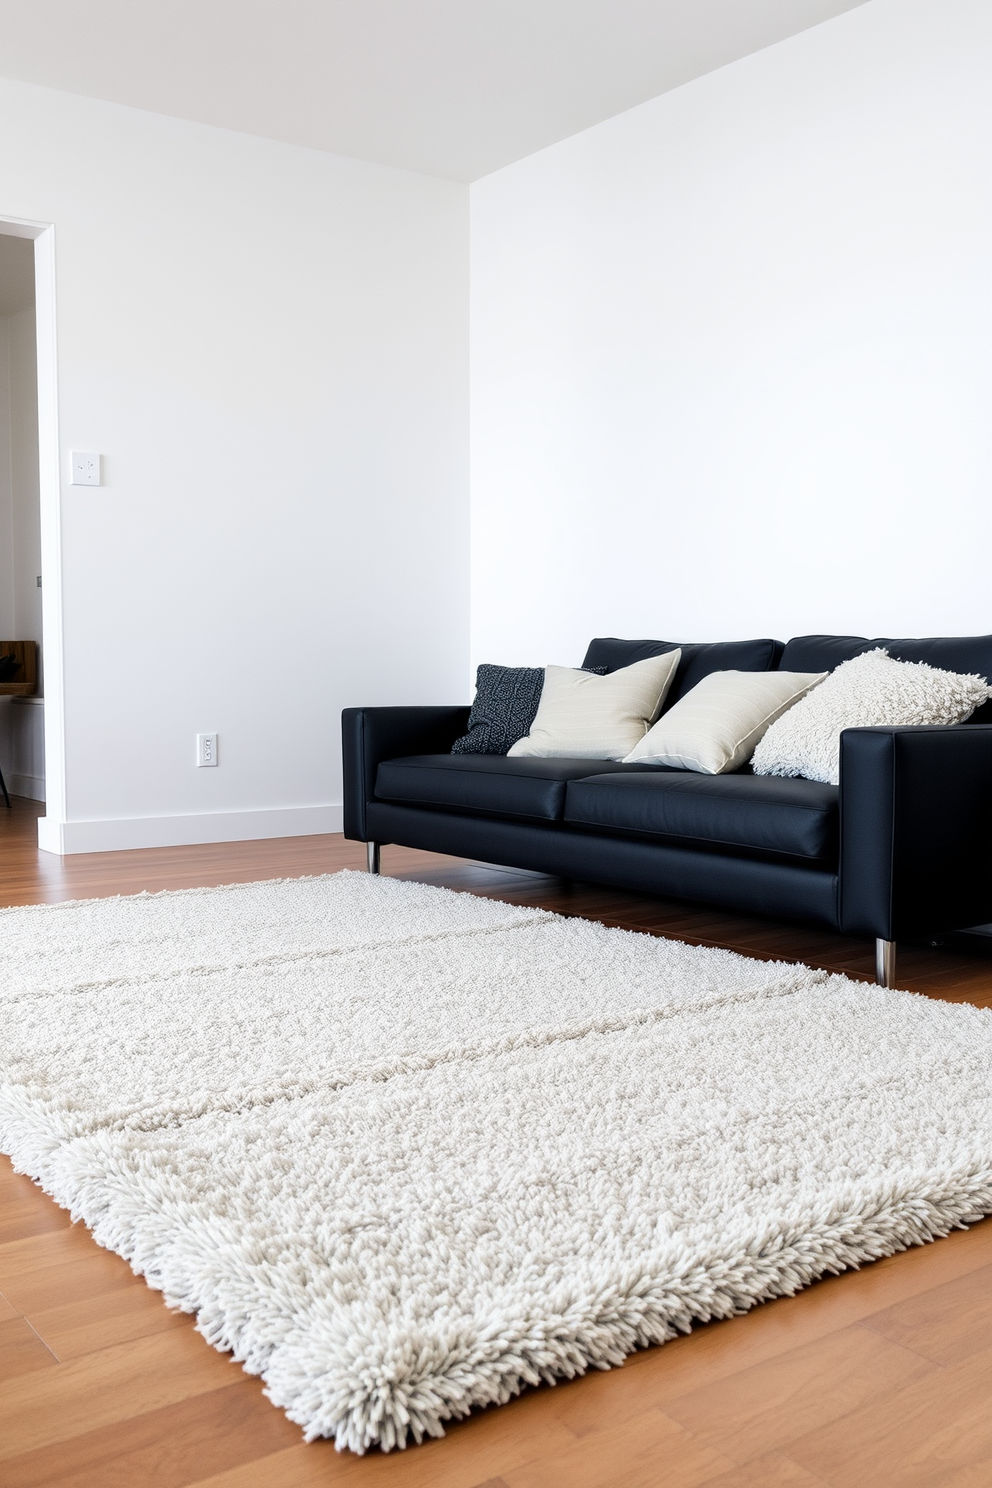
(405,1151)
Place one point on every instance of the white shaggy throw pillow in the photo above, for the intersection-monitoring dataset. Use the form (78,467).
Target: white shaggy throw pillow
(582,716)
(715,727)
(867,691)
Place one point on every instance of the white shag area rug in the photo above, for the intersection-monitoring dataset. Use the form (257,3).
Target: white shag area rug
(406,1151)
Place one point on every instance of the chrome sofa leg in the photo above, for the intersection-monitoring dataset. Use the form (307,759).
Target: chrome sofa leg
(885,963)
(372,851)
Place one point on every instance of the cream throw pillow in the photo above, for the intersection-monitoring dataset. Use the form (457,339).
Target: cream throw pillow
(581,716)
(715,727)
(868,690)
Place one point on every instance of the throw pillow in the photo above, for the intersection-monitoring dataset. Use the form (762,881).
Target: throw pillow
(506,700)
(582,716)
(868,690)
(715,727)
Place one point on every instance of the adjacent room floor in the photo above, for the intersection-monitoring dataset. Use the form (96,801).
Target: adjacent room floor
(876,1377)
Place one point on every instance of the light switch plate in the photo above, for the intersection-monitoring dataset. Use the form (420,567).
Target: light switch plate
(84,468)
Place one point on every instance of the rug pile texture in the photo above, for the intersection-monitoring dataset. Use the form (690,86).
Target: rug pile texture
(405,1151)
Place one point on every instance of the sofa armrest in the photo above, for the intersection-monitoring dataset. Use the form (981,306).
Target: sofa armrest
(370,735)
(915,829)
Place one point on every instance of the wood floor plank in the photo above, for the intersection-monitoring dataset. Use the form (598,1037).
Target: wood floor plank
(486,1445)
(749,1414)
(313,1465)
(773,1471)
(934,1433)
(20,1218)
(20,1258)
(91,1275)
(169,1447)
(46,1247)
(13,1185)
(21,1350)
(111,1385)
(82,1327)
(978,1476)
(656,1453)
(946,1323)
(7,1309)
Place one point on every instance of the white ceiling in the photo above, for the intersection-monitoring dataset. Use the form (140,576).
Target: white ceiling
(16,274)
(454,88)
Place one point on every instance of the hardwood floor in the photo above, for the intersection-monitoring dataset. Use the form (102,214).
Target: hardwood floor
(874,1378)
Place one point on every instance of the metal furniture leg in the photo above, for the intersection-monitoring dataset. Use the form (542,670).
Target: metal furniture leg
(3,787)
(885,963)
(372,851)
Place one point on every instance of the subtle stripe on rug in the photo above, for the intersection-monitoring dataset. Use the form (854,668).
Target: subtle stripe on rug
(405,1151)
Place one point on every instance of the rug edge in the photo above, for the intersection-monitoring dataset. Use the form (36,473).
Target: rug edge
(646,1310)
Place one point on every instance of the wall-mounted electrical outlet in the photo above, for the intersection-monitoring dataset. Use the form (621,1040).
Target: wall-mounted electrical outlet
(206,749)
(84,468)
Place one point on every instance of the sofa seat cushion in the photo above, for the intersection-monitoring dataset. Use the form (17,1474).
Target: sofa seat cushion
(743,812)
(490,784)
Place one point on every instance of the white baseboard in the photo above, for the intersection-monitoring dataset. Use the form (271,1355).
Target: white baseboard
(31,786)
(122,833)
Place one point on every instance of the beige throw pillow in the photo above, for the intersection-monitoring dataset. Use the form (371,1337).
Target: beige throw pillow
(581,716)
(715,727)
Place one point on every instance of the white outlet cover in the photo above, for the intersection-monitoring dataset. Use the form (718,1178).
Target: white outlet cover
(206,750)
(84,468)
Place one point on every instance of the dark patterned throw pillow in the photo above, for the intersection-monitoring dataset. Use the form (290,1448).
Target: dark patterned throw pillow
(505,706)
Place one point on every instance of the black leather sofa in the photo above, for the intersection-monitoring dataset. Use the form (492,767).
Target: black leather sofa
(901,848)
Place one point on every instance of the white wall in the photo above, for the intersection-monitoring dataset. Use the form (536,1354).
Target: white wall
(268,345)
(732,352)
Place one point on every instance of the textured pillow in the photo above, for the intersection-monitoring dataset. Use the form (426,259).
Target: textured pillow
(868,690)
(505,706)
(582,716)
(715,727)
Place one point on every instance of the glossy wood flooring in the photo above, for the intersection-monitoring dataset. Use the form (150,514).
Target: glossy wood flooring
(874,1378)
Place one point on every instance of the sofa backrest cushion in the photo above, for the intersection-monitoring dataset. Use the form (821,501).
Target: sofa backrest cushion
(698,659)
(950,653)
(822,653)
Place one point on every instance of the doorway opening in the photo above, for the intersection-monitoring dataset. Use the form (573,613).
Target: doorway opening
(32,742)
(22,708)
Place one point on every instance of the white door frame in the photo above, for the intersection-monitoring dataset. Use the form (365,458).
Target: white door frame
(51,825)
